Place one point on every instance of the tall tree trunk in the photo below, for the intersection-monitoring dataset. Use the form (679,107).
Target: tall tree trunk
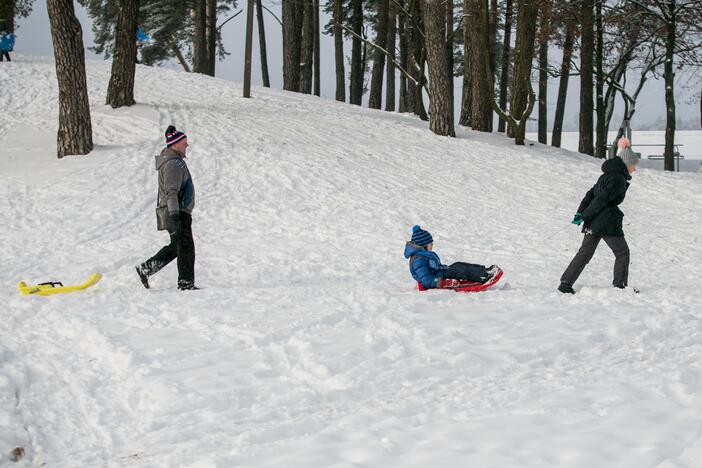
(449,54)
(466,94)
(262,45)
(481,111)
(669,78)
(492,32)
(292,43)
(434,14)
(307,54)
(466,115)
(211,26)
(524,54)
(420,57)
(248,48)
(563,85)
(7,12)
(339,54)
(375,98)
(403,32)
(392,50)
(356,79)
(587,44)
(601,135)
(316,49)
(120,91)
(504,73)
(200,64)
(544,37)
(364,62)
(75,135)
(543,92)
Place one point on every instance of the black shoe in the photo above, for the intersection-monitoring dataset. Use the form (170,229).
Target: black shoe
(187,286)
(566,288)
(143,277)
(490,273)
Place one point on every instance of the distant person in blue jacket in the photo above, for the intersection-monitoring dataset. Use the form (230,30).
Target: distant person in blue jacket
(141,39)
(7,43)
(426,268)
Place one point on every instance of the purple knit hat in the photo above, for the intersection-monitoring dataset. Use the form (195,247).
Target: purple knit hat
(173,136)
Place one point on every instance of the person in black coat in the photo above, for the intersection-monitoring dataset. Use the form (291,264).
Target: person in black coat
(602,218)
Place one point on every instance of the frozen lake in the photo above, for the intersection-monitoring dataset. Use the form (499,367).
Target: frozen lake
(690,142)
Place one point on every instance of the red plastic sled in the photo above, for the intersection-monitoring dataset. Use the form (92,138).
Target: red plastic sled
(465,286)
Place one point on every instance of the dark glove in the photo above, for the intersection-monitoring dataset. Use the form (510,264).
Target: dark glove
(577,219)
(173,225)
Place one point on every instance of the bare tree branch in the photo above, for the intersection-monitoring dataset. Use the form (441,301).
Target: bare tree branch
(387,54)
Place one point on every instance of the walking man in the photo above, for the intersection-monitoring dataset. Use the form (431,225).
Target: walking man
(176,199)
(603,219)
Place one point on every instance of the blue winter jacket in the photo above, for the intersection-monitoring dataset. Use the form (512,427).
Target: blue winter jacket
(425,266)
(7,41)
(142,36)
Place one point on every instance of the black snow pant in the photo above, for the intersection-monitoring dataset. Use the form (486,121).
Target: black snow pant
(590,241)
(466,271)
(5,54)
(181,247)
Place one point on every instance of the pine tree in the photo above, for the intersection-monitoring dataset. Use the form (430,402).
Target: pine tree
(356,78)
(292,43)
(75,128)
(504,69)
(120,91)
(544,38)
(170,25)
(375,97)
(307,47)
(475,38)
(524,53)
(339,53)
(13,9)
(392,49)
(434,14)
(199,15)
(587,45)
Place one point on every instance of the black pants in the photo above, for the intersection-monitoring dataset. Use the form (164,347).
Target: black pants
(466,271)
(181,247)
(4,53)
(582,258)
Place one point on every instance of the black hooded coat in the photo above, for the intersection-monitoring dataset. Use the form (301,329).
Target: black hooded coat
(599,209)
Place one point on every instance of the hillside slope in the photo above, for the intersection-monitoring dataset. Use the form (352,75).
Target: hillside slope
(309,345)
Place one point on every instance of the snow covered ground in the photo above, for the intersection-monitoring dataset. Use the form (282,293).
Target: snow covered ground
(310,346)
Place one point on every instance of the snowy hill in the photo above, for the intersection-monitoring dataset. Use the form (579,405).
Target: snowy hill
(310,346)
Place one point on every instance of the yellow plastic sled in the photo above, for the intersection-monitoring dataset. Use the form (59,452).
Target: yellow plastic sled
(55,287)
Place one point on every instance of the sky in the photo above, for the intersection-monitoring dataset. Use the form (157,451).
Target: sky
(34,37)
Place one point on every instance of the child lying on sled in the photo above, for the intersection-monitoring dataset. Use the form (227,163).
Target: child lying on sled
(426,268)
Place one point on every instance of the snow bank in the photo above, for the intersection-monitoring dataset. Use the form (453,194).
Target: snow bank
(309,345)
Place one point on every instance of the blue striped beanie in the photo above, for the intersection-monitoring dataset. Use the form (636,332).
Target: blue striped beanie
(421,237)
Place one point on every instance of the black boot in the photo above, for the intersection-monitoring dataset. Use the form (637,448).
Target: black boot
(184,285)
(143,276)
(566,288)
